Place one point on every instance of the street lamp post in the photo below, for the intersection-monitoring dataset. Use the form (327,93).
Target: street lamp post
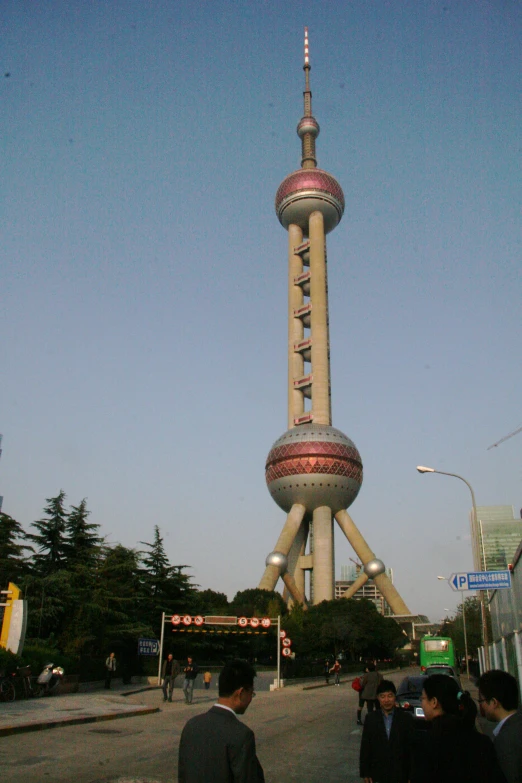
(464,626)
(485,639)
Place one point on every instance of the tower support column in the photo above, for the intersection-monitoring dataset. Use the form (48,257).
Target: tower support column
(295,325)
(319,322)
(284,542)
(323,555)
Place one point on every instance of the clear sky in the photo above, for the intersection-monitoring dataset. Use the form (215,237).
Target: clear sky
(143,272)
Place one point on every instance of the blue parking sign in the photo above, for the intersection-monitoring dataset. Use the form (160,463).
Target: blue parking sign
(148,647)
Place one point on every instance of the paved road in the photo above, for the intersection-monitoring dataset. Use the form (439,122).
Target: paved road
(301,736)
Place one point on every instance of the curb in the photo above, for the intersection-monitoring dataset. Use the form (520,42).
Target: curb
(7,731)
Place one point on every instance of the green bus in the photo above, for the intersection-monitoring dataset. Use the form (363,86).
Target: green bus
(436,650)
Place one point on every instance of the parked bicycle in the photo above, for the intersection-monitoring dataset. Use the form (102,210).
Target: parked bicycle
(31,688)
(7,688)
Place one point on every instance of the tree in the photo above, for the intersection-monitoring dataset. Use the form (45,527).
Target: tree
(82,546)
(51,537)
(455,628)
(13,564)
(258,603)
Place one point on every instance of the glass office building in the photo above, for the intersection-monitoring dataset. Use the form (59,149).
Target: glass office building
(370,590)
(497,537)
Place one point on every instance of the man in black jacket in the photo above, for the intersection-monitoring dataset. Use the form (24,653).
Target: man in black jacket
(216,746)
(499,702)
(190,672)
(385,755)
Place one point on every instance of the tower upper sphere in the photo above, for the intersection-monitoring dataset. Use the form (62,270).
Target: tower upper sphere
(309,189)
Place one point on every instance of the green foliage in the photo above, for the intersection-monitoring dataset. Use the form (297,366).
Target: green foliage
(50,539)
(212,602)
(353,627)
(8,661)
(455,628)
(38,655)
(83,545)
(12,561)
(257,603)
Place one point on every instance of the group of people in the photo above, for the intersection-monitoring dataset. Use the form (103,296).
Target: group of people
(216,746)
(171,669)
(450,750)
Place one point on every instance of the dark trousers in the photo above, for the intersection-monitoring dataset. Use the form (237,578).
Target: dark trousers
(168,685)
(108,678)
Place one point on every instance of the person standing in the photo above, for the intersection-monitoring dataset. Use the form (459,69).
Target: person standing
(110,668)
(216,746)
(169,672)
(336,671)
(385,754)
(499,702)
(191,672)
(451,750)
(207,679)
(368,694)
(326,671)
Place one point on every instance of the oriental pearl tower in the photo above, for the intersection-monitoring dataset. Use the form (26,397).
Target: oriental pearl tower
(313,471)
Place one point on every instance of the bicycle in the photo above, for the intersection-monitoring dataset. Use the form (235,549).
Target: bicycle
(30,689)
(7,688)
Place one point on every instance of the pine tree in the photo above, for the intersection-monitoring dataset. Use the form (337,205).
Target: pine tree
(157,567)
(51,537)
(82,546)
(13,564)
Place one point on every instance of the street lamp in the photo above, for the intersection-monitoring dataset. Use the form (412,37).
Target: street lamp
(464,626)
(474,523)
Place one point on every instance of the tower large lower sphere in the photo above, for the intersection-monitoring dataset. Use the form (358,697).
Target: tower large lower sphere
(313,471)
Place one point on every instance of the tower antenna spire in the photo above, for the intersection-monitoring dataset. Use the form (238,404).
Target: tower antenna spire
(308,128)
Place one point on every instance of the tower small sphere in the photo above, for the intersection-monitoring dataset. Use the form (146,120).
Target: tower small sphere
(315,465)
(374,567)
(277,559)
(308,125)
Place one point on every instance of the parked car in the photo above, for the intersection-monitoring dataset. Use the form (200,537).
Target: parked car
(442,669)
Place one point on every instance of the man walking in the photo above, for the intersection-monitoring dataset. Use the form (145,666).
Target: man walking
(216,746)
(110,668)
(386,740)
(169,672)
(191,672)
(368,694)
(499,701)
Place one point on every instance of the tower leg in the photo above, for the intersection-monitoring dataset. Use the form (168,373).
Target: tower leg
(359,582)
(365,554)
(284,542)
(294,591)
(323,555)
(297,549)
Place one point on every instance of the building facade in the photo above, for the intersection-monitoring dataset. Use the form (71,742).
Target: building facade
(369,590)
(496,538)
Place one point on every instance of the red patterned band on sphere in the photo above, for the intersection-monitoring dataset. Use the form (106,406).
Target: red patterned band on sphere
(309,179)
(313,457)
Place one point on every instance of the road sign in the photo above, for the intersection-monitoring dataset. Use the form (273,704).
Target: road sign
(282,634)
(287,642)
(481,580)
(286,651)
(187,620)
(242,622)
(148,647)
(266,622)
(254,622)
(198,620)
(175,619)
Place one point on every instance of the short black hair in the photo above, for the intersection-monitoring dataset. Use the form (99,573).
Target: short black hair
(501,686)
(386,686)
(371,667)
(235,674)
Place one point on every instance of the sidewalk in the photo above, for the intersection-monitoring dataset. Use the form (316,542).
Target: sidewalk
(50,712)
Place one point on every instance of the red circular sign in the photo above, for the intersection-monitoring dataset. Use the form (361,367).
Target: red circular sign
(266,622)
(282,634)
(287,651)
(187,619)
(198,620)
(242,622)
(287,642)
(175,619)
(254,622)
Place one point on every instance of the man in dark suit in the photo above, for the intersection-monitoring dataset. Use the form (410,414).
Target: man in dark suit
(386,740)
(216,746)
(498,700)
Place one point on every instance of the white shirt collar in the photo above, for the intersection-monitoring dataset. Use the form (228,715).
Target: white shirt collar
(224,707)
(499,725)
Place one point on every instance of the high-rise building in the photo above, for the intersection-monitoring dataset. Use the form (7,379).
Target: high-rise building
(313,471)
(497,537)
(369,590)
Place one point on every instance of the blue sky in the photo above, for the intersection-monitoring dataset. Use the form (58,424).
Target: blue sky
(143,272)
